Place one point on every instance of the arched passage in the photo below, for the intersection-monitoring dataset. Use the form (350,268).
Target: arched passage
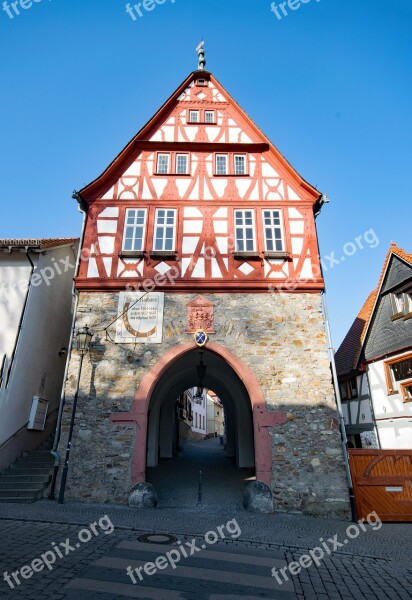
(164,382)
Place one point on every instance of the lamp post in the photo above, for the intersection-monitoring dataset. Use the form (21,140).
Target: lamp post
(83,338)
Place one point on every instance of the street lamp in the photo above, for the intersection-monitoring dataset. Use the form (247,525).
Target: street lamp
(83,338)
(201,372)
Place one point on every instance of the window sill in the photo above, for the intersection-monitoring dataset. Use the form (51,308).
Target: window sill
(231,175)
(277,255)
(407,316)
(171,175)
(131,253)
(163,253)
(397,316)
(240,255)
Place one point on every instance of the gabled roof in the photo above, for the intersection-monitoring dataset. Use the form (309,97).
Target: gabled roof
(123,160)
(36,244)
(347,356)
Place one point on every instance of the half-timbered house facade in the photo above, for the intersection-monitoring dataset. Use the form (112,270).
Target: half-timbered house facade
(201,225)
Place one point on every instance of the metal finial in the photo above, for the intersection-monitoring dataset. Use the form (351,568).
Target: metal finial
(201,53)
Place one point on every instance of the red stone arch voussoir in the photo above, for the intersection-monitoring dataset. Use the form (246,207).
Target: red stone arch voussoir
(262,419)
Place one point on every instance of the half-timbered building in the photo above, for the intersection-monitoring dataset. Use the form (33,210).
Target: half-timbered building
(200,227)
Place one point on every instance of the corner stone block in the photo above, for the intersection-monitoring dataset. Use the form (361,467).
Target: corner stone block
(258,498)
(143,495)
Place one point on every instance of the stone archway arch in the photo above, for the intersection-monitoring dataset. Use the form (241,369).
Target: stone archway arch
(262,418)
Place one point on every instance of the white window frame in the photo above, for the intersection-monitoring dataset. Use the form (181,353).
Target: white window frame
(210,112)
(398,304)
(408,302)
(186,156)
(243,156)
(194,112)
(226,157)
(159,156)
(243,227)
(164,226)
(273,228)
(134,226)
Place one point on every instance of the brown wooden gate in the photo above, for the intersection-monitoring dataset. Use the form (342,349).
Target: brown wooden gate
(382,482)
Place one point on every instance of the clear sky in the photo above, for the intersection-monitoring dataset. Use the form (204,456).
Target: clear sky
(329,84)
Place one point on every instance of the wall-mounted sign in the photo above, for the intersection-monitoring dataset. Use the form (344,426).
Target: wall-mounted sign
(140,318)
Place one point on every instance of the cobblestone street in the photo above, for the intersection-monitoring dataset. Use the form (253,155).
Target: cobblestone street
(374,565)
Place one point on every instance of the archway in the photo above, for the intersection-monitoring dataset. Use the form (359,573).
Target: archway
(153,392)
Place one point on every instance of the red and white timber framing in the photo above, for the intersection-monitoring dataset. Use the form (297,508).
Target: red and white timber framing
(205,203)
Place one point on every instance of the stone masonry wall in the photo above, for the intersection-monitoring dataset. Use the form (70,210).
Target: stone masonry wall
(281,337)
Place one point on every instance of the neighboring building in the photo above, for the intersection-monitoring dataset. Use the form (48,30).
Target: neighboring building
(36,282)
(200,223)
(215,415)
(374,362)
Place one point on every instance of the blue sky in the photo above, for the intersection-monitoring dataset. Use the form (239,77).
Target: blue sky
(329,84)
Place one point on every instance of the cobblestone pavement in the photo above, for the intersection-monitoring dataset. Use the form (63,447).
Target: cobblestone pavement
(374,565)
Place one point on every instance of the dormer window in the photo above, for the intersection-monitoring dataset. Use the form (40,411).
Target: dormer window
(194,116)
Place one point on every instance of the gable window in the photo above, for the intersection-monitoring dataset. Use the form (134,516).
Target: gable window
(273,230)
(398,371)
(134,229)
(163,162)
(165,230)
(240,164)
(209,116)
(398,304)
(194,116)
(201,82)
(221,164)
(244,231)
(181,164)
(408,303)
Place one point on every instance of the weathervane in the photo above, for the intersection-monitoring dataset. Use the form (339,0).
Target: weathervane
(201,53)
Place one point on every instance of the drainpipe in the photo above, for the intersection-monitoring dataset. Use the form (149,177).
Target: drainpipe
(322,200)
(339,406)
(82,207)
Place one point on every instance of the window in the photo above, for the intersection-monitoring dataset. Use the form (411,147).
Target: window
(165,229)
(406,389)
(201,82)
(134,229)
(398,370)
(398,303)
(209,116)
(240,164)
(401,304)
(181,164)
(349,389)
(244,231)
(194,116)
(408,302)
(163,163)
(221,164)
(272,226)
